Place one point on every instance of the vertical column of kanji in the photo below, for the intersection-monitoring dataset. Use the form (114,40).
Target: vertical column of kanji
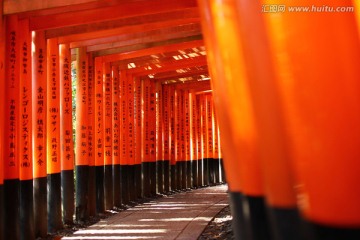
(66,137)
(210,139)
(81,150)
(39,89)
(53,137)
(25,133)
(205,139)
(159,139)
(146,182)
(201,144)
(177,138)
(123,139)
(2,122)
(152,135)
(131,136)
(11,149)
(193,138)
(216,157)
(116,134)
(99,136)
(172,144)
(166,134)
(91,135)
(108,183)
(181,118)
(138,135)
(187,140)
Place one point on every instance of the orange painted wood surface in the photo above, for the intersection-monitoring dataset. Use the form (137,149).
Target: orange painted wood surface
(67,143)
(53,108)
(107,113)
(39,88)
(99,116)
(124,119)
(2,90)
(130,118)
(116,114)
(25,113)
(91,109)
(138,120)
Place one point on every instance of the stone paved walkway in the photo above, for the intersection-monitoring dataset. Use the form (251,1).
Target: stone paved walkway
(178,216)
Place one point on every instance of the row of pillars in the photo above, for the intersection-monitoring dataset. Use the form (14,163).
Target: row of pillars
(287,94)
(134,137)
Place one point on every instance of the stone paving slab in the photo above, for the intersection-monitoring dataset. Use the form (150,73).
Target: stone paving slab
(181,216)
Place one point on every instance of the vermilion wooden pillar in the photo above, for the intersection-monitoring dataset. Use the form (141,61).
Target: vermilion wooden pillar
(166,115)
(108,179)
(138,135)
(193,140)
(172,138)
(146,160)
(11,131)
(152,135)
(116,134)
(204,140)
(25,131)
(216,153)
(123,139)
(99,135)
(131,135)
(91,134)
(199,142)
(182,135)
(187,137)
(53,119)
(320,112)
(210,139)
(81,150)
(177,138)
(66,137)
(159,139)
(2,118)
(39,89)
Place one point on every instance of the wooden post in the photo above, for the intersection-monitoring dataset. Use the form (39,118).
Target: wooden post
(81,151)
(172,138)
(187,140)
(116,135)
(177,138)
(91,135)
(199,142)
(138,136)
(39,89)
(11,131)
(108,179)
(152,134)
(159,139)
(2,117)
(131,135)
(99,135)
(210,139)
(67,144)
(145,139)
(53,137)
(182,135)
(25,134)
(166,135)
(193,140)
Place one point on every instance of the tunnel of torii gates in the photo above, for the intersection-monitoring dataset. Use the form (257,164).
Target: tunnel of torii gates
(147,121)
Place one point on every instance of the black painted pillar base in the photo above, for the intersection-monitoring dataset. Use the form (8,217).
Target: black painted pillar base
(1,212)
(27,210)
(67,195)
(116,185)
(194,168)
(259,222)
(92,191)
(160,176)
(183,174)
(40,207)
(166,176)
(239,224)
(189,182)
(200,172)
(178,175)
(138,180)
(206,172)
(223,174)
(82,193)
(11,209)
(99,177)
(54,202)
(145,169)
(173,183)
(152,168)
(286,224)
(217,170)
(124,184)
(131,181)
(211,166)
(108,187)
(322,232)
